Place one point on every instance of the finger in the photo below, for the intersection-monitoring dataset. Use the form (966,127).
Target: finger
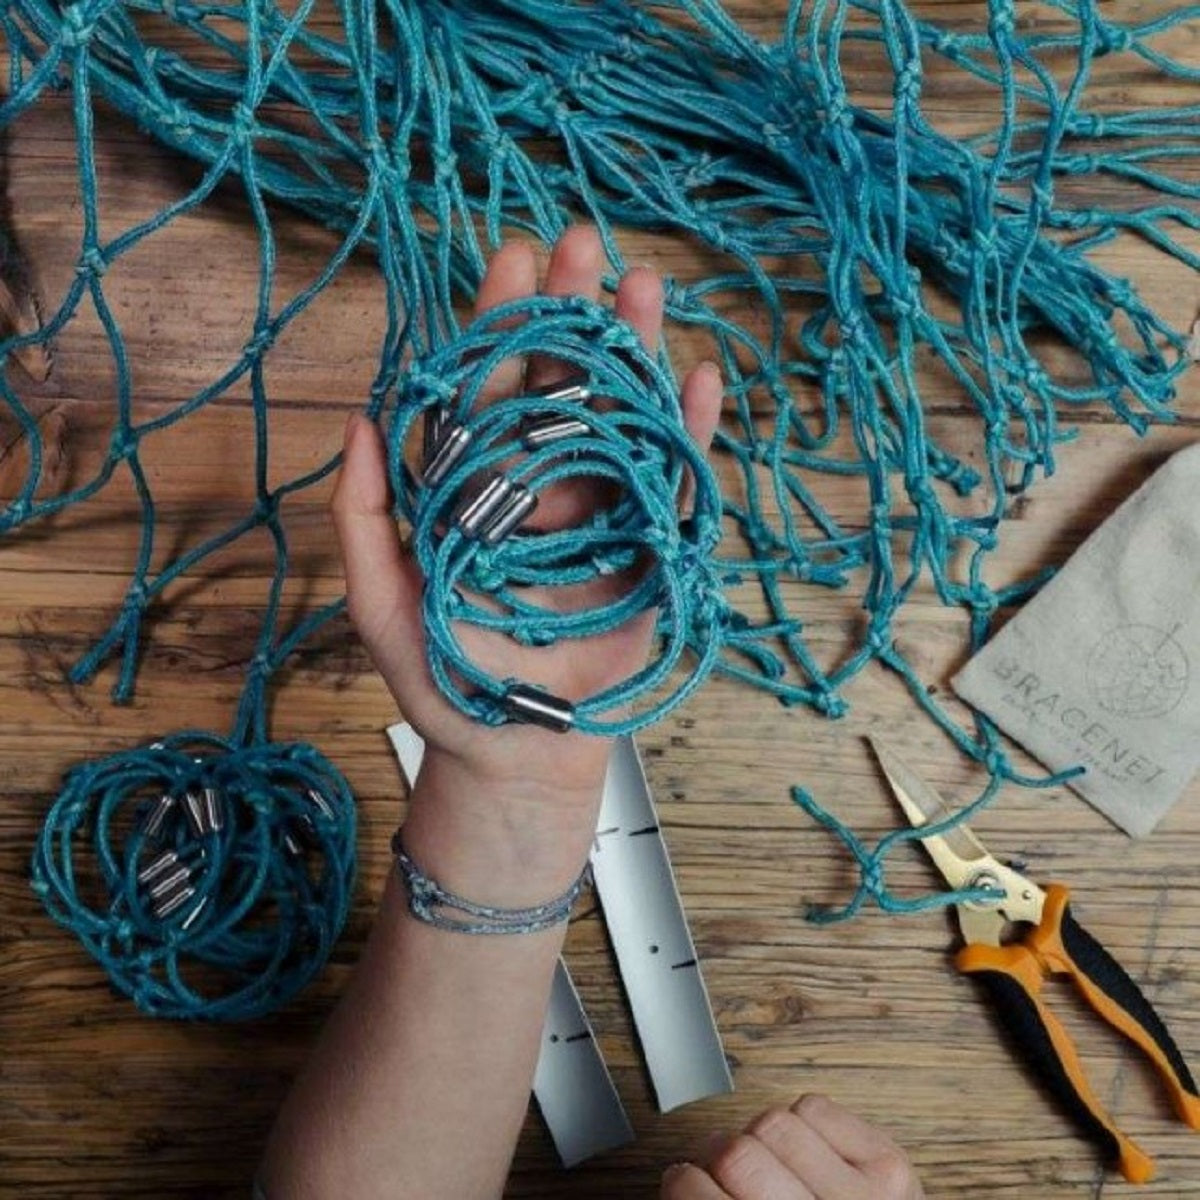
(511,275)
(576,267)
(640,302)
(853,1138)
(684,1181)
(807,1154)
(701,397)
(382,584)
(748,1170)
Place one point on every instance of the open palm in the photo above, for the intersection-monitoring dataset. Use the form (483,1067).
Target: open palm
(384,584)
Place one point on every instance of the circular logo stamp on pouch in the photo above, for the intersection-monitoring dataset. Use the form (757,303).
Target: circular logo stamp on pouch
(1138,671)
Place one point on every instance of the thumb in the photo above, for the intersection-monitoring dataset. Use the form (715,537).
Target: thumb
(383,585)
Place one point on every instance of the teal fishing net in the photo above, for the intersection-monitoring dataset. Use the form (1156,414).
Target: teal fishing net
(851,251)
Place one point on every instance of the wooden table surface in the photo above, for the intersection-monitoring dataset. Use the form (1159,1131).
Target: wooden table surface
(99,1101)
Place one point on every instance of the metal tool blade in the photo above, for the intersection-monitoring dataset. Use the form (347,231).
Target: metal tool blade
(653,945)
(957,853)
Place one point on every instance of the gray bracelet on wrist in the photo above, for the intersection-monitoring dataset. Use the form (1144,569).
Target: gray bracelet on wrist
(426,896)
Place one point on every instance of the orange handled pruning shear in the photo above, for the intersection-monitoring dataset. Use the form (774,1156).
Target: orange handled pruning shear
(1014,972)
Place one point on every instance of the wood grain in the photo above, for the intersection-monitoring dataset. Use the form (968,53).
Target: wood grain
(98,1101)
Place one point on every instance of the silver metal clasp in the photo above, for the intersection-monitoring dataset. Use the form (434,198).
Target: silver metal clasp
(481,508)
(451,445)
(510,516)
(576,386)
(532,706)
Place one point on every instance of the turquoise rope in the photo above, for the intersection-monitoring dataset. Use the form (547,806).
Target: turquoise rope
(265,916)
(423,132)
(637,443)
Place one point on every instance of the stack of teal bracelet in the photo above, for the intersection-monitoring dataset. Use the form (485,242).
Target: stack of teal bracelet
(614,421)
(209,880)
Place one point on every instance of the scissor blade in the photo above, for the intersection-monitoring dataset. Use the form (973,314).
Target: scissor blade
(957,853)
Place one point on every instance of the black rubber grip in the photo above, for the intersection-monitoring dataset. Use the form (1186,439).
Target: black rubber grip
(1113,980)
(1023,1023)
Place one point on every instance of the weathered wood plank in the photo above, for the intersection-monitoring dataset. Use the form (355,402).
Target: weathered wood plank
(101,1102)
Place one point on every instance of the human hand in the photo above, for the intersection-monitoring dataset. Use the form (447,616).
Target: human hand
(515,777)
(815,1150)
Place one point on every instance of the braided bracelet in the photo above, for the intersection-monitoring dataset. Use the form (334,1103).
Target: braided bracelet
(426,895)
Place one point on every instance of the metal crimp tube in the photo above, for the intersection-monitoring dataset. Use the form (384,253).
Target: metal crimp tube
(194,915)
(574,387)
(164,862)
(434,427)
(320,803)
(451,447)
(519,505)
(193,809)
(168,883)
(545,431)
(473,514)
(155,819)
(214,810)
(172,901)
(532,706)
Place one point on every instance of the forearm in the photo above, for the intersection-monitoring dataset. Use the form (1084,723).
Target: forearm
(420,1081)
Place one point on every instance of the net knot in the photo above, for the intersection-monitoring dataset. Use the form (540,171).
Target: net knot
(828,703)
(713,233)
(1043,194)
(77,28)
(872,876)
(838,114)
(1036,379)
(1002,21)
(881,522)
(904,304)
(122,443)
(1120,293)
(775,136)
(984,601)
(92,263)
(879,638)
(908,80)
(243,123)
(945,43)
(995,761)
(261,342)
(985,238)
(853,332)
(620,336)
(699,172)
(1093,125)
(1113,38)
(676,294)
(179,120)
(500,144)
(266,508)
(15,513)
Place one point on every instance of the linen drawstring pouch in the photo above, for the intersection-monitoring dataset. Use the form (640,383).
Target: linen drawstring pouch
(1100,668)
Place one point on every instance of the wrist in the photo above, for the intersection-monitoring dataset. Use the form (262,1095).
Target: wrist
(496,841)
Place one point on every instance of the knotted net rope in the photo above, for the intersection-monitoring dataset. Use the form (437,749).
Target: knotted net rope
(847,244)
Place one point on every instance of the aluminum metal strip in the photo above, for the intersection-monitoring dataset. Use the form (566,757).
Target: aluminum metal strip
(571,1083)
(574,1090)
(653,944)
